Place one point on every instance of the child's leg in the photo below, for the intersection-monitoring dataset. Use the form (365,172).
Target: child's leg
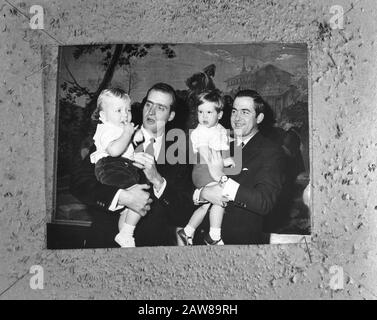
(196,219)
(132,218)
(215,220)
(127,223)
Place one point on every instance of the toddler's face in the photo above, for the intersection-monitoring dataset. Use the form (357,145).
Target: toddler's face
(116,111)
(207,114)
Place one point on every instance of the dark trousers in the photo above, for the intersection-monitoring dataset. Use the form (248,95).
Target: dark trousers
(117,171)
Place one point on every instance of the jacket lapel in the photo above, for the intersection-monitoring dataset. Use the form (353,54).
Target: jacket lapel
(250,150)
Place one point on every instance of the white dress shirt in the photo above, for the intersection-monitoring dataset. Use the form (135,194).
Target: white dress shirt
(157,142)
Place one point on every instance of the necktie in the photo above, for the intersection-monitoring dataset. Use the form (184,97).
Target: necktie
(150,149)
(242,144)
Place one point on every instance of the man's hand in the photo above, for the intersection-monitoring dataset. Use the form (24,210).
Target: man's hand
(215,164)
(136,198)
(146,162)
(229,162)
(214,195)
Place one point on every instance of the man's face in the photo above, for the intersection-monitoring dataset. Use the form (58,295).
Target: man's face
(156,112)
(243,118)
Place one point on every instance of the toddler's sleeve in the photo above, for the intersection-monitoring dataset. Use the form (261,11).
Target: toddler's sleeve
(224,138)
(107,136)
(219,140)
(195,140)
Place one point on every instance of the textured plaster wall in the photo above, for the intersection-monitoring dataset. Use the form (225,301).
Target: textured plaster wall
(343,80)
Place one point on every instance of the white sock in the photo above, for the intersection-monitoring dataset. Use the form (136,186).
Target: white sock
(127,231)
(189,231)
(215,233)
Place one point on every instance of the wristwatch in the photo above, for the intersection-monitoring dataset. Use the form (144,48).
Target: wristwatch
(223,180)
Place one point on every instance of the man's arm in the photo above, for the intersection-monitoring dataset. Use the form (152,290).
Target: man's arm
(85,187)
(213,194)
(88,190)
(259,194)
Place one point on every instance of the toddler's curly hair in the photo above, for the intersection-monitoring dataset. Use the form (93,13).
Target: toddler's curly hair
(211,96)
(109,92)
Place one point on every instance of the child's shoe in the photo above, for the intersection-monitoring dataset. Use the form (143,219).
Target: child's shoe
(125,242)
(187,241)
(210,242)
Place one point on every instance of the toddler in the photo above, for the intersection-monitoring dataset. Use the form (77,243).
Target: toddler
(114,152)
(209,134)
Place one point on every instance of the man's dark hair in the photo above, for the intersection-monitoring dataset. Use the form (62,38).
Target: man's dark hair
(260,106)
(165,88)
(259,103)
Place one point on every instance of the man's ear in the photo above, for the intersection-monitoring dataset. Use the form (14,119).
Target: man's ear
(260,118)
(219,115)
(102,114)
(171,116)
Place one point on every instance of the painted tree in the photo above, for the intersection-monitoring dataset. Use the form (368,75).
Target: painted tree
(114,56)
(75,121)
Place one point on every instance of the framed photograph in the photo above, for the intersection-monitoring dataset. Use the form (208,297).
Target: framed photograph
(212,84)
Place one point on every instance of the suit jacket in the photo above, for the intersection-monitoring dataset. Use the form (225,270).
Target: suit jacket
(261,182)
(173,208)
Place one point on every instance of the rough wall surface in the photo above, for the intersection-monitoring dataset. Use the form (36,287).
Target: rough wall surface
(343,78)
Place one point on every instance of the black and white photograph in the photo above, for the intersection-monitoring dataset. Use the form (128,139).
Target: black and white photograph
(188,157)
(181,145)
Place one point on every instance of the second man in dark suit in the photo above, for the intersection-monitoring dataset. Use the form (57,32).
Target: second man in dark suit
(253,194)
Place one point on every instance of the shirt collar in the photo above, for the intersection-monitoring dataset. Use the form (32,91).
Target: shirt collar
(148,136)
(157,142)
(245,141)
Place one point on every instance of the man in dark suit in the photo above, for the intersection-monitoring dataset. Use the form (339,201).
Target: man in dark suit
(254,194)
(164,201)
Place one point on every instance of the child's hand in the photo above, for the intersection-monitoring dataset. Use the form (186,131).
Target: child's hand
(129,128)
(138,137)
(229,162)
